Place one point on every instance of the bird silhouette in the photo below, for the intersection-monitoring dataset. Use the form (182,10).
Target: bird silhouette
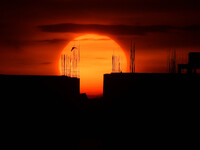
(73,48)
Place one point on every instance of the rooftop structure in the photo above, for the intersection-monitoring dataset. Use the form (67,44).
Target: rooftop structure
(156,87)
(193,63)
(70,63)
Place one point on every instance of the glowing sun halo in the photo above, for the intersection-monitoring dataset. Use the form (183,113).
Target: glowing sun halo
(95,60)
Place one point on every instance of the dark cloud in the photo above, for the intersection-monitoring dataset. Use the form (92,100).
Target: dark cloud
(50,41)
(16,44)
(46,63)
(106,29)
(92,39)
(18,19)
(115,29)
(21,10)
(107,5)
(103,11)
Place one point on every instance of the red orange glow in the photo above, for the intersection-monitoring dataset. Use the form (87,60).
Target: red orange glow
(95,60)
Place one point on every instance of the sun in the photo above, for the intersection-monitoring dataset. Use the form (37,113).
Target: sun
(96,53)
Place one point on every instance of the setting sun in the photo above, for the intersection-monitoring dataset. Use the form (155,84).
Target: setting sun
(95,60)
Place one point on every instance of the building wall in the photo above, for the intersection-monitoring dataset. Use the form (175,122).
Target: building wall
(39,89)
(150,87)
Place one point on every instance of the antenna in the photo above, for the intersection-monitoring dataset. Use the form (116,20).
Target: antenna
(70,64)
(113,62)
(78,63)
(64,65)
(172,61)
(116,63)
(132,58)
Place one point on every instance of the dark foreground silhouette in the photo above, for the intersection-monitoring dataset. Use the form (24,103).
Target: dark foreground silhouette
(138,111)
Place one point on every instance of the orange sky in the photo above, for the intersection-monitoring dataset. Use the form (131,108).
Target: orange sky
(33,34)
(95,60)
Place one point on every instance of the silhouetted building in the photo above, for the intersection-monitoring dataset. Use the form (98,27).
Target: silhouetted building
(140,87)
(144,113)
(193,63)
(39,89)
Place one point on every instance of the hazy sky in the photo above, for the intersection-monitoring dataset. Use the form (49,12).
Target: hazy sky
(33,33)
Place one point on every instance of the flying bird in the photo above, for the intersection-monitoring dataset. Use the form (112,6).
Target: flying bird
(73,48)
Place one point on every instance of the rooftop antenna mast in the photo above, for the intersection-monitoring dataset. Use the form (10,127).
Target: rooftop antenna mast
(172,61)
(70,64)
(64,65)
(113,62)
(78,62)
(132,58)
